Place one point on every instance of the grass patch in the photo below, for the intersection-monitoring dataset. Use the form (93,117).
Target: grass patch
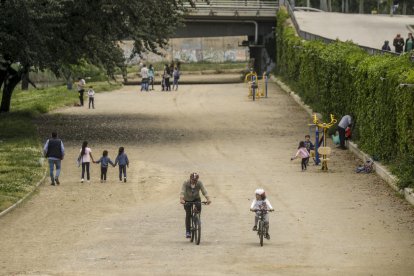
(20,147)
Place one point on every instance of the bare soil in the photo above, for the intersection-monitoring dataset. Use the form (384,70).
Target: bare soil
(326,223)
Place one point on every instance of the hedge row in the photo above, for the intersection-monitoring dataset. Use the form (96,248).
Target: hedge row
(340,78)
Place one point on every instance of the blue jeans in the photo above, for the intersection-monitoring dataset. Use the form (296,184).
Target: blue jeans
(52,164)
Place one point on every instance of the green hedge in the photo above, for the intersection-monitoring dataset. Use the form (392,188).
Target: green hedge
(340,78)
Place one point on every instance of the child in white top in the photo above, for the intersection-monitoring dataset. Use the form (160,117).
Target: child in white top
(303,153)
(91,95)
(261,203)
(85,157)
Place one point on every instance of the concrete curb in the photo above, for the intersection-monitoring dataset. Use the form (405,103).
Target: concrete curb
(3,213)
(380,169)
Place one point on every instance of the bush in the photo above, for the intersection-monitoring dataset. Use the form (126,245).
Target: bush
(340,78)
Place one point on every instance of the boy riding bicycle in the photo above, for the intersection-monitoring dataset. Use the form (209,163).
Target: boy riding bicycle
(190,193)
(261,203)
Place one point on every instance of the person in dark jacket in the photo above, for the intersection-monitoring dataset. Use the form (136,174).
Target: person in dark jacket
(386,46)
(54,151)
(398,44)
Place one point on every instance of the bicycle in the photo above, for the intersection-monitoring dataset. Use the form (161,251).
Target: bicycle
(261,229)
(195,222)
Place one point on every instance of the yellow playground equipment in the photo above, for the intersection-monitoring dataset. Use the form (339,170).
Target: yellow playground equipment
(255,86)
(322,149)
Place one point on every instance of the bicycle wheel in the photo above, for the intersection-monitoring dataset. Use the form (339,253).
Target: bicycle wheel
(261,231)
(197,229)
(192,228)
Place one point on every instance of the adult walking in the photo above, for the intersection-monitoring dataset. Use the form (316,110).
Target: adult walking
(54,151)
(151,74)
(167,76)
(346,121)
(81,89)
(85,157)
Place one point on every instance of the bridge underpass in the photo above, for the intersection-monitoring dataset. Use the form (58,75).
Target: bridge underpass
(252,18)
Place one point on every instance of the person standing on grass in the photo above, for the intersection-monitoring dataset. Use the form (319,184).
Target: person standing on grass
(85,157)
(81,89)
(54,151)
(91,96)
(122,160)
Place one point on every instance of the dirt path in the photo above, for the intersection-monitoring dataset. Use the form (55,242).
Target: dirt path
(335,223)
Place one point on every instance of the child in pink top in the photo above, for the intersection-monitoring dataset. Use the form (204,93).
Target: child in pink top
(303,153)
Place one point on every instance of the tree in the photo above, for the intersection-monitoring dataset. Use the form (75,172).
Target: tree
(53,34)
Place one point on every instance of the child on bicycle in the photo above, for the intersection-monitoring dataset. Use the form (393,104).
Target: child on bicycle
(190,193)
(261,203)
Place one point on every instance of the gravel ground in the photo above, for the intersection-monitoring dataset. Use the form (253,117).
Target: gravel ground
(333,223)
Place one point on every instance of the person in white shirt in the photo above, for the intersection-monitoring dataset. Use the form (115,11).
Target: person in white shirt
(85,157)
(81,89)
(144,76)
(345,122)
(261,203)
(91,96)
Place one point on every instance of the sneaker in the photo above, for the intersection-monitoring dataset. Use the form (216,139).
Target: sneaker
(57,180)
(82,180)
(53,183)
(187,235)
(254,228)
(267,236)
(124,179)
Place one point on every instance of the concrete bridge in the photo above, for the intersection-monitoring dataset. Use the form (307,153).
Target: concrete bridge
(255,19)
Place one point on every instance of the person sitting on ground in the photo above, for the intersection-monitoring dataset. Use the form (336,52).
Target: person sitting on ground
(260,202)
(190,194)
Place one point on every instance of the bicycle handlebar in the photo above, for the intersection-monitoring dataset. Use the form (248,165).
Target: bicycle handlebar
(190,202)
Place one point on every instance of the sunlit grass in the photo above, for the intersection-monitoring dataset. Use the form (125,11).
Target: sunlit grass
(20,147)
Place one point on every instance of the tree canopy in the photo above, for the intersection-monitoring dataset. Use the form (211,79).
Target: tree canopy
(51,34)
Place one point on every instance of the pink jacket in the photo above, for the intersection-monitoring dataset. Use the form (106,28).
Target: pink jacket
(303,153)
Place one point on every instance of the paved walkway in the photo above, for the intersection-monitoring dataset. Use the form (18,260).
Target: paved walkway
(363,29)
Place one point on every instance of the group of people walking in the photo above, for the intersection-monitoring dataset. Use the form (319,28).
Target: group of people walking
(54,151)
(400,44)
(148,77)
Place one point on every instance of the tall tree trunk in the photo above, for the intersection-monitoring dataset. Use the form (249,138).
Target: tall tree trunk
(404,7)
(323,5)
(25,77)
(11,80)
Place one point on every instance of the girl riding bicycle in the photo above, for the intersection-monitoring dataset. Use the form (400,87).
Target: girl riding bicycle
(190,193)
(261,203)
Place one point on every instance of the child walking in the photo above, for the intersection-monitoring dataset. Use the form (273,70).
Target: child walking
(85,158)
(91,96)
(261,203)
(303,153)
(105,161)
(310,148)
(122,160)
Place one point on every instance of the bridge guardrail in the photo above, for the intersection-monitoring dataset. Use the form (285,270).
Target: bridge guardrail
(235,7)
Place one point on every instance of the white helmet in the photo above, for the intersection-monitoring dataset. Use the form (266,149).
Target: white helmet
(259,191)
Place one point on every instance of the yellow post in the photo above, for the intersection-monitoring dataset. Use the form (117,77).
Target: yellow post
(324,151)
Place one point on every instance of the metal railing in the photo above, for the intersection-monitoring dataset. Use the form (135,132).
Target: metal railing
(235,7)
